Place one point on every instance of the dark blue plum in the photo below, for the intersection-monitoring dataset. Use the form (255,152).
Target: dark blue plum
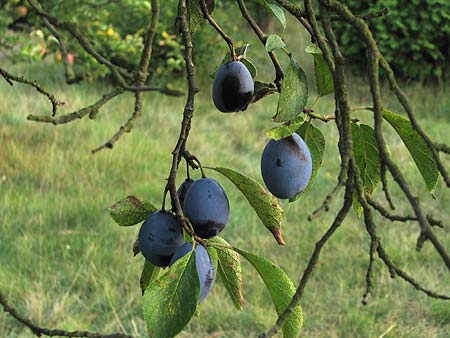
(204,264)
(233,87)
(206,205)
(160,236)
(286,166)
(183,188)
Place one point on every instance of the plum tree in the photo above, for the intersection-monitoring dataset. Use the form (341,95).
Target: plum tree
(159,237)
(233,87)
(286,166)
(206,205)
(286,163)
(205,267)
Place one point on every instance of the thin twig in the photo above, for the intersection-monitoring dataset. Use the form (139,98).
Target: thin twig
(400,218)
(39,331)
(302,13)
(10,78)
(442,148)
(91,110)
(71,78)
(263,38)
(219,30)
(369,274)
(125,128)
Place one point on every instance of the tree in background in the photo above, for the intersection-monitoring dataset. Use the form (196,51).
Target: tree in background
(125,53)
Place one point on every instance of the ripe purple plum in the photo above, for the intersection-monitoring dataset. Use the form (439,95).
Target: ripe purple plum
(286,166)
(206,205)
(159,237)
(233,87)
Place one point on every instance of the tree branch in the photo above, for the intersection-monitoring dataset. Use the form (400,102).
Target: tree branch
(442,148)
(263,38)
(91,110)
(71,78)
(125,128)
(10,78)
(369,274)
(399,218)
(39,331)
(375,57)
(188,113)
(219,30)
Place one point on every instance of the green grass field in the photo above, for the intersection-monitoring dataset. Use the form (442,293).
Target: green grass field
(65,264)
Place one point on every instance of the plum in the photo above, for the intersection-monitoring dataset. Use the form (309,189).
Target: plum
(183,188)
(233,87)
(206,205)
(286,166)
(159,237)
(205,267)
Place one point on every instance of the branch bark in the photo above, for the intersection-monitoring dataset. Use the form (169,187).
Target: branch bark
(10,78)
(39,331)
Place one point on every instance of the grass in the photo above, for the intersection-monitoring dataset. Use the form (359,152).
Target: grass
(65,264)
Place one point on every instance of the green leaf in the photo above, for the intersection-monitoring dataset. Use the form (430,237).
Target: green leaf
(416,146)
(281,289)
(229,270)
(265,204)
(283,131)
(170,301)
(149,273)
(274,9)
(263,89)
(131,210)
(367,159)
(250,66)
(315,141)
(278,12)
(212,252)
(240,51)
(274,42)
(294,94)
(324,77)
(195,14)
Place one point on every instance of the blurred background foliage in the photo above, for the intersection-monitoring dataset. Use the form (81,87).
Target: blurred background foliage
(414,32)
(117,29)
(414,37)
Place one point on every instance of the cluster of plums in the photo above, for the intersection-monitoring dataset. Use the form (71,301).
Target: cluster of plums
(161,239)
(286,168)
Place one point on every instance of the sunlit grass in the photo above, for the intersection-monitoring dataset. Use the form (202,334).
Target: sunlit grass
(66,264)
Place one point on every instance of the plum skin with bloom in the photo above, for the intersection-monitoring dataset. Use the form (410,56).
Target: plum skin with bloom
(206,205)
(159,237)
(286,166)
(205,267)
(233,87)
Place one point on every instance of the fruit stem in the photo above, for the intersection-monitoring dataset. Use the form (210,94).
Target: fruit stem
(219,30)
